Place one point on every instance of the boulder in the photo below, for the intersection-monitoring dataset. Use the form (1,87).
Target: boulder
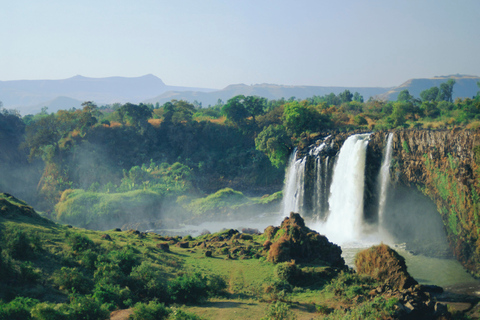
(163,246)
(298,242)
(385,265)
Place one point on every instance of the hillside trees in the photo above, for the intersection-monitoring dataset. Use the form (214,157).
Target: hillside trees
(242,111)
(275,143)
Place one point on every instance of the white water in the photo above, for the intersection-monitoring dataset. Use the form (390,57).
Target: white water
(294,186)
(345,220)
(384,180)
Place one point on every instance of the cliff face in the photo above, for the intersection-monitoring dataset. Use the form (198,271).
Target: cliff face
(433,200)
(444,165)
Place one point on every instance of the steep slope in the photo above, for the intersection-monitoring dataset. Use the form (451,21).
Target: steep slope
(444,165)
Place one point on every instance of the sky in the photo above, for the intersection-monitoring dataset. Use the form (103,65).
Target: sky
(214,43)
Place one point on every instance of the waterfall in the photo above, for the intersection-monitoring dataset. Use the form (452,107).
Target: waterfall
(384,179)
(294,185)
(322,182)
(344,223)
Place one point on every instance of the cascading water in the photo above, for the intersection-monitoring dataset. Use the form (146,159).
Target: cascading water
(294,185)
(344,223)
(384,180)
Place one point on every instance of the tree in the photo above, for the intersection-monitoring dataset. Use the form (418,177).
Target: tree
(345,96)
(399,111)
(42,135)
(446,91)
(429,94)
(357,97)
(405,96)
(275,143)
(134,115)
(242,111)
(298,118)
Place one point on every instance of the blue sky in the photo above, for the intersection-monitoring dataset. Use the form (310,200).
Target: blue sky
(216,43)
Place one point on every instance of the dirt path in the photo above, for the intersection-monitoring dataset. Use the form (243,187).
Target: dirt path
(121,314)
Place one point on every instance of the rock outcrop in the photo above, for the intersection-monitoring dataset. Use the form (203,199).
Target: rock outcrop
(385,265)
(294,241)
(444,165)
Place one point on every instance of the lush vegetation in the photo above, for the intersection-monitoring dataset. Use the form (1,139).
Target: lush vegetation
(184,150)
(52,271)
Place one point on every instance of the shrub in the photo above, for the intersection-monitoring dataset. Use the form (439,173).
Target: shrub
(125,259)
(151,311)
(27,274)
(109,273)
(188,288)
(17,309)
(86,307)
(216,286)
(279,311)
(287,271)
(278,290)
(146,282)
(71,280)
(348,285)
(48,311)
(113,296)
(18,245)
(79,242)
(179,314)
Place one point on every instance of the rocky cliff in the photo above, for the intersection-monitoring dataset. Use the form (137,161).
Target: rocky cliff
(433,200)
(444,166)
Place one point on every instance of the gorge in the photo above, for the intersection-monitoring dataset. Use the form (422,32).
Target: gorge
(418,187)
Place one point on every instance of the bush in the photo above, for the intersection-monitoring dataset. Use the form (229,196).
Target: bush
(113,296)
(49,311)
(109,273)
(71,280)
(125,259)
(349,285)
(188,288)
(17,309)
(87,308)
(279,311)
(216,286)
(287,271)
(79,242)
(151,311)
(146,282)
(179,314)
(27,274)
(18,245)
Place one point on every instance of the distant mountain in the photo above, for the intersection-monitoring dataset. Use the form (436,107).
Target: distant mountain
(31,95)
(465,86)
(269,91)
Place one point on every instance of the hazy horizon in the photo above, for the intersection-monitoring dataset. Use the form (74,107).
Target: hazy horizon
(213,44)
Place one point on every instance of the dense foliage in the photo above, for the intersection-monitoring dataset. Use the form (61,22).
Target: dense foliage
(180,152)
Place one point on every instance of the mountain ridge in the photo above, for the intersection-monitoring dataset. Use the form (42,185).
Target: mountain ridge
(29,96)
